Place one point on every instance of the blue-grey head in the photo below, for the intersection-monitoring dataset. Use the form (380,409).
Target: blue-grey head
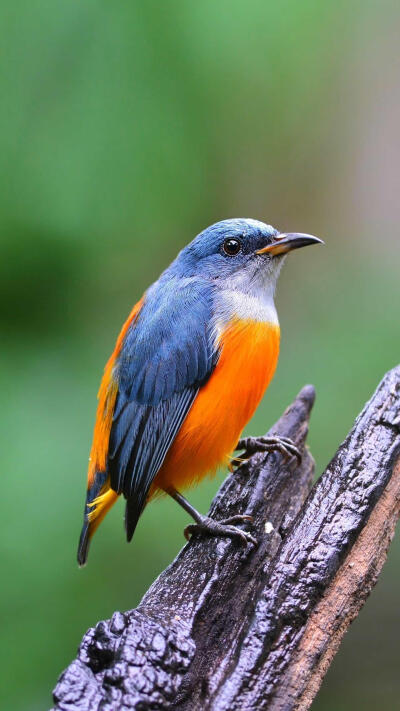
(241,250)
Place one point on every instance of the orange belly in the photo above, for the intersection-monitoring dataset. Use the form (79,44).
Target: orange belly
(210,432)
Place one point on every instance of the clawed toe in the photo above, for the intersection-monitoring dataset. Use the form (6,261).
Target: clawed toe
(188,530)
(284,445)
(222,528)
(242,536)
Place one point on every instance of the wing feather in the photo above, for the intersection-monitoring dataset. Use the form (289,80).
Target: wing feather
(165,358)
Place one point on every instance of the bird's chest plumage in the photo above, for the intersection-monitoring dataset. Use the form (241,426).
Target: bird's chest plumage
(249,349)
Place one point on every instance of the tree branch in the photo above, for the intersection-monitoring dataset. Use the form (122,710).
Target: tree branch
(227,628)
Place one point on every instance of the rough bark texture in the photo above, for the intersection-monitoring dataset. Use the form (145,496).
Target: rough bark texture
(227,628)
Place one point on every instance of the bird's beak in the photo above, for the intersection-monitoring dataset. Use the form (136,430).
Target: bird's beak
(285,242)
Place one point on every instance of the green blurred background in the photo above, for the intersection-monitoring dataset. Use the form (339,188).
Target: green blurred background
(126,128)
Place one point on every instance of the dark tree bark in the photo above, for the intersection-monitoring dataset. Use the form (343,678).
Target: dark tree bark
(227,628)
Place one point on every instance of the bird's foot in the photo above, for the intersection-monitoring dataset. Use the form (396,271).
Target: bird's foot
(224,528)
(284,445)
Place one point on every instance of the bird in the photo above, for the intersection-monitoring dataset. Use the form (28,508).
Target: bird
(189,368)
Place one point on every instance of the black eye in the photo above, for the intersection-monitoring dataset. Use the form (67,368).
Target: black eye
(231,246)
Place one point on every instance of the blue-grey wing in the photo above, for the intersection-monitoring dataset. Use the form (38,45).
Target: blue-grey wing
(165,358)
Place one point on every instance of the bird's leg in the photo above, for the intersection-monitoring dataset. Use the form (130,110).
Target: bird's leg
(284,445)
(205,524)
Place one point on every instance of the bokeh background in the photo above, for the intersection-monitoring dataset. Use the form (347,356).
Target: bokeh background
(125,129)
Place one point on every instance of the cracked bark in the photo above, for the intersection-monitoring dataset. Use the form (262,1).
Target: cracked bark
(225,628)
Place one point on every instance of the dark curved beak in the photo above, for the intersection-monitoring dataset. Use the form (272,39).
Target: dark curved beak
(288,241)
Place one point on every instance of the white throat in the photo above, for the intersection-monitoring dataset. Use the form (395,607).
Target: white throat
(249,294)
(253,305)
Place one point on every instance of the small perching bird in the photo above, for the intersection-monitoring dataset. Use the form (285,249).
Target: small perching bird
(189,368)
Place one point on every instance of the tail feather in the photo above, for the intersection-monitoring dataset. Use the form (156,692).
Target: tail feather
(99,499)
(133,510)
(83,546)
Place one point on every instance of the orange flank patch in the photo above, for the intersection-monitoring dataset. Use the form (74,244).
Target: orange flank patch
(211,430)
(106,396)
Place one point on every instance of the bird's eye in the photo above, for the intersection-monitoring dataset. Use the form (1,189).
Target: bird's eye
(231,246)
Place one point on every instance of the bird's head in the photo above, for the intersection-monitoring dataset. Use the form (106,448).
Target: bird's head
(244,251)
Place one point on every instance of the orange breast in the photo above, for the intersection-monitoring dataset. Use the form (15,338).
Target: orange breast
(209,434)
